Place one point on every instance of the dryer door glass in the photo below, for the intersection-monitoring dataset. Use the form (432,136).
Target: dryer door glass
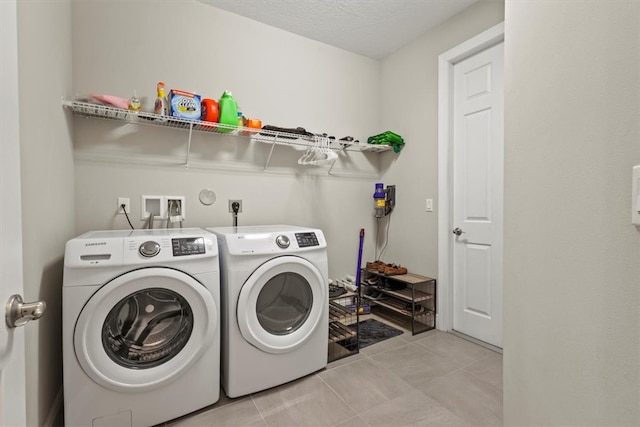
(147,328)
(284,303)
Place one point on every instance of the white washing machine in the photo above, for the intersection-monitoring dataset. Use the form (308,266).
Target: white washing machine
(274,286)
(141,326)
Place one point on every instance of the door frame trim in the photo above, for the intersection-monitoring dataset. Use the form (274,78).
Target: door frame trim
(446,61)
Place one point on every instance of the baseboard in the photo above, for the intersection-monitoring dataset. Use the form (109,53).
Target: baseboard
(55,411)
(476,341)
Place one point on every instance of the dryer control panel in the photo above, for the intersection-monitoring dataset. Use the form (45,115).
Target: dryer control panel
(256,242)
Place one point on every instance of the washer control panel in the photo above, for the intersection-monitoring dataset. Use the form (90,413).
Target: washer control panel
(188,246)
(133,247)
(307,239)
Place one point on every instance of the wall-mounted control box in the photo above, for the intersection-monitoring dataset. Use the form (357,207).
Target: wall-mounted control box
(163,207)
(155,205)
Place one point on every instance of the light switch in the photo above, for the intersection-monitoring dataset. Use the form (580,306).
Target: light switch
(429,205)
(635,196)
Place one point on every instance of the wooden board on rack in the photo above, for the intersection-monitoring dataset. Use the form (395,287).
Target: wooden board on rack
(411,278)
(339,332)
(338,312)
(405,294)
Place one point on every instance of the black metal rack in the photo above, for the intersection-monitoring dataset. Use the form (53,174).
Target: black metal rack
(344,317)
(407,299)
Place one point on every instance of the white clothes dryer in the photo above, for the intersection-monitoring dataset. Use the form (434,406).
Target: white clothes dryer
(141,326)
(274,305)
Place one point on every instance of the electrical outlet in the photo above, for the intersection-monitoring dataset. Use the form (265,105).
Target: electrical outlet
(127,205)
(231,202)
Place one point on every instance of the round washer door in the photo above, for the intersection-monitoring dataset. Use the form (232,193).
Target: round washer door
(281,304)
(144,329)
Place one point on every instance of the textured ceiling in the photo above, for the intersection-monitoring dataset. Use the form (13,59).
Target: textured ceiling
(373,28)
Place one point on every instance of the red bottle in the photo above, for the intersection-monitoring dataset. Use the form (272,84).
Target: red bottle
(210,111)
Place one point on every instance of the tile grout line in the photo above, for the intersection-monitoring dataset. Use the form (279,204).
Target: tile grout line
(341,398)
(482,380)
(258,409)
(463,366)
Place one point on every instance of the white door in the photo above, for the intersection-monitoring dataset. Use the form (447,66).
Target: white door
(12,353)
(477,217)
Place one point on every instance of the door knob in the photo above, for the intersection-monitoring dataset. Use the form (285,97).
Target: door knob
(20,313)
(457,231)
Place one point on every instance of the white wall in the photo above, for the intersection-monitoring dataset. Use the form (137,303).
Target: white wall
(44,65)
(571,290)
(283,79)
(410,108)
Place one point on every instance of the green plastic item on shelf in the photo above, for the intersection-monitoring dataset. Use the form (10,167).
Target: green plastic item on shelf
(388,138)
(228,111)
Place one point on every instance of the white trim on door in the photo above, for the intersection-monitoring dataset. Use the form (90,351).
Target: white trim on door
(446,61)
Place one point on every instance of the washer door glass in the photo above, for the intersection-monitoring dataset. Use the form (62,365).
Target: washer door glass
(282,304)
(147,328)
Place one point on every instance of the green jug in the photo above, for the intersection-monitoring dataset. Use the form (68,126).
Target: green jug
(228,111)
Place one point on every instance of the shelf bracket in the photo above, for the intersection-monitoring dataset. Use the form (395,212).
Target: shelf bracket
(186,163)
(331,168)
(273,145)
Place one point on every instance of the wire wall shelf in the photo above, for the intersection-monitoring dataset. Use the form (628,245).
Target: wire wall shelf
(105,112)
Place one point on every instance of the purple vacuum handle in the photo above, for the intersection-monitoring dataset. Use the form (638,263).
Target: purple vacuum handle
(359,258)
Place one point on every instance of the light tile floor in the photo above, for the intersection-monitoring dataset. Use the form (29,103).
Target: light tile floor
(433,378)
